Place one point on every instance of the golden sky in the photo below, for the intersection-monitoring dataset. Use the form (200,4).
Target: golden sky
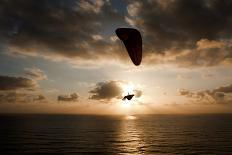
(64,57)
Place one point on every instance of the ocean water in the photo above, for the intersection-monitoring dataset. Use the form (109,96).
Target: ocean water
(141,134)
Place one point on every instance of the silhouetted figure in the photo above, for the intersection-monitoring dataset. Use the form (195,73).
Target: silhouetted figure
(128,97)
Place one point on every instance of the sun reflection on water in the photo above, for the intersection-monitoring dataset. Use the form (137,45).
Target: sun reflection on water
(130,117)
(129,139)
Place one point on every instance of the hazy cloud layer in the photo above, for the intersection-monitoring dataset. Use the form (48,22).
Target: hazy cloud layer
(68,98)
(12,97)
(35,73)
(185,32)
(221,95)
(58,29)
(14,83)
(188,33)
(18,97)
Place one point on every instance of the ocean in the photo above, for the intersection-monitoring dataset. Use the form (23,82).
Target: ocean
(139,134)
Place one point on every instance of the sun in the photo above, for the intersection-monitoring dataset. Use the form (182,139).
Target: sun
(128,88)
(129,106)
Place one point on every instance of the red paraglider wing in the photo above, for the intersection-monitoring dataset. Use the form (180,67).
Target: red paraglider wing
(133,42)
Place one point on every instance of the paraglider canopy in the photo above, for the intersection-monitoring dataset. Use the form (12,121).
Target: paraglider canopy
(133,42)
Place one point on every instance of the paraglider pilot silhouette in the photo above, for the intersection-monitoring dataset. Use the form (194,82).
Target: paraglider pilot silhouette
(132,40)
(128,97)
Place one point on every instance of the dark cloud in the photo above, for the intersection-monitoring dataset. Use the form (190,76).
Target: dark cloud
(14,83)
(106,91)
(71,97)
(224,89)
(185,92)
(221,95)
(185,32)
(58,29)
(35,73)
(19,90)
(188,33)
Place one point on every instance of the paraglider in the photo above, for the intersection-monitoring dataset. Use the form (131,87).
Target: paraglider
(128,97)
(133,42)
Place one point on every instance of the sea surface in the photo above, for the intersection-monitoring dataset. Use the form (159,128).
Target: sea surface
(139,134)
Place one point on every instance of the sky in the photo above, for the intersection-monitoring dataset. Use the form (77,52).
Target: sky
(63,56)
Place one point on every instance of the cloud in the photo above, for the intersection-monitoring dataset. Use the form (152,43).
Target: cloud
(188,33)
(59,30)
(138,93)
(35,73)
(40,98)
(72,97)
(19,90)
(20,97)
(134,8)
(106,91)
(12,97)
(220,95)
(185,92)
(15,83)
(91,6)
(206,56)
(224,89)
(109,90)
(207,44)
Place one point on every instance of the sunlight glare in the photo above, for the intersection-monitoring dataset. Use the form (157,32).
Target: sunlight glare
(128,88)
(126,104)
(130,117)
